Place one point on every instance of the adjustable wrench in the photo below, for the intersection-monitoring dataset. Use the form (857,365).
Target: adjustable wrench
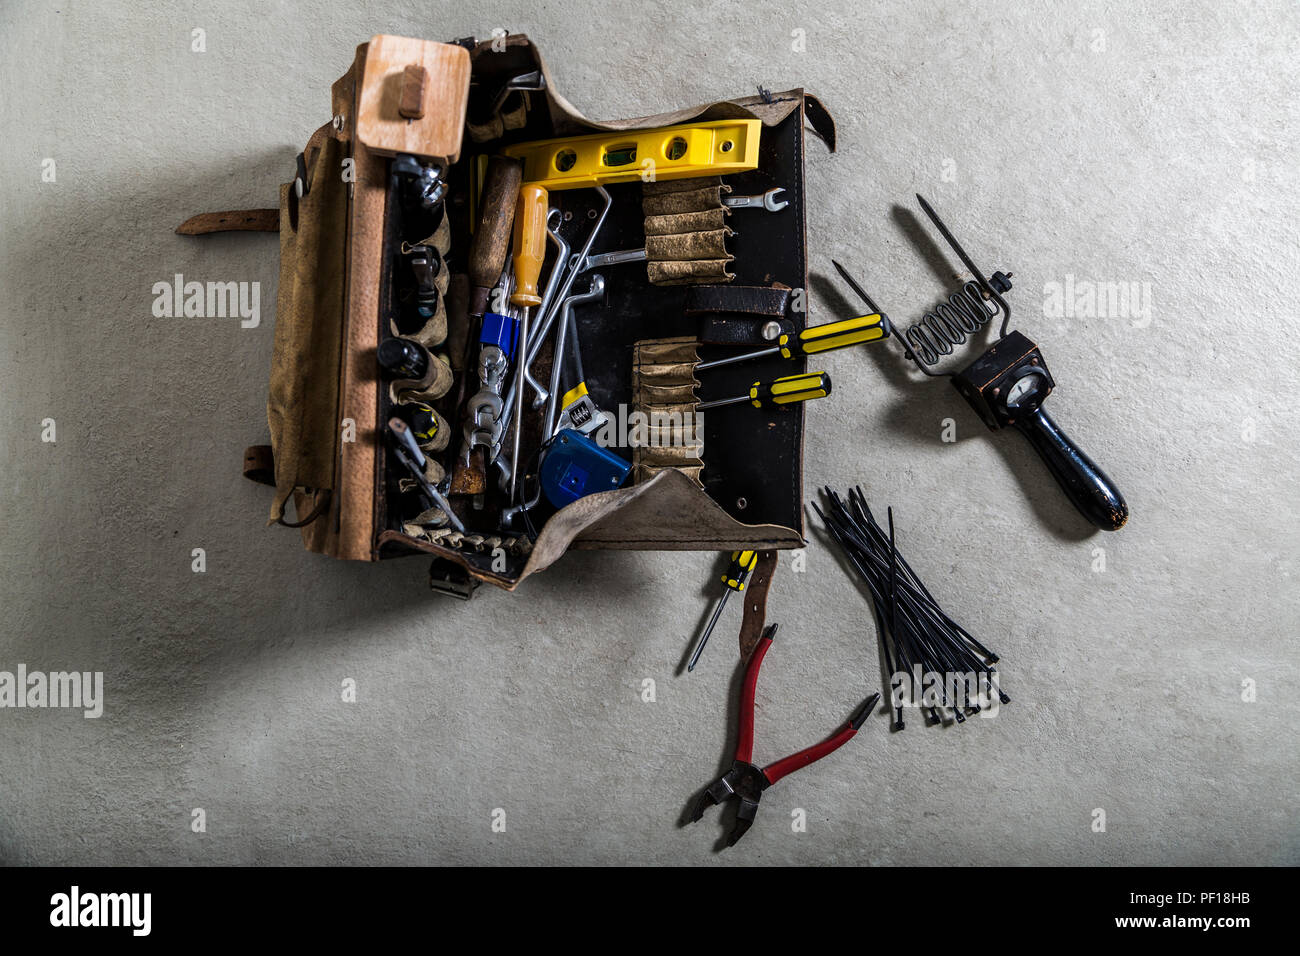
(597,291)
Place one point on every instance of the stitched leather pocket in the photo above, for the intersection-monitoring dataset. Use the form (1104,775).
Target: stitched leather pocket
(302,404)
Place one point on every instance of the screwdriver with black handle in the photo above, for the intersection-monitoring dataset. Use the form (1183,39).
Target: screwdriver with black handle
(817,339)
(782,391)
(735,578)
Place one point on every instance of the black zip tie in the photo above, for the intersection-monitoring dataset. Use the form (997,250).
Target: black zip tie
(916,634)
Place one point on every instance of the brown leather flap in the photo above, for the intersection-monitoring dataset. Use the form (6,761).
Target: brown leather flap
(666,513)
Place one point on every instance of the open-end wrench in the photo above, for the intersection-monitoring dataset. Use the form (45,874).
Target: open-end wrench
(552,284)
(571,273)
(597,291)
(567,322)
(486,405)
(603,259)
(765,200)
(534,344)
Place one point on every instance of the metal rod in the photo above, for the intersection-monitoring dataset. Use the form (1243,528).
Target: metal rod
(970,264)
(743,357)
(521,351)
(719,403)
(862,293)
(704,638)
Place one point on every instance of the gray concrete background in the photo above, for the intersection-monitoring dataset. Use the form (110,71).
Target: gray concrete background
(1140,142)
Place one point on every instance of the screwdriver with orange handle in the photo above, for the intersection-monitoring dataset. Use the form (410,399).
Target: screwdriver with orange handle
(819,338)
(529,254)
(782,391)
(735,578)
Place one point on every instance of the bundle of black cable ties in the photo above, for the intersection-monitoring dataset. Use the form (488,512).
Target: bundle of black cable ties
(919,640)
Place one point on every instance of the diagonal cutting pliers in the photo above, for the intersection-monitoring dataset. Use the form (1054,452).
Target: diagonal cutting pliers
(744,779)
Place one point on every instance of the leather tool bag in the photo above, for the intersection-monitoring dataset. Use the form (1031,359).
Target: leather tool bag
(327,405)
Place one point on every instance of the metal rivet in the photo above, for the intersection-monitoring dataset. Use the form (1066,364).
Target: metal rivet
(741,504)
(771,330)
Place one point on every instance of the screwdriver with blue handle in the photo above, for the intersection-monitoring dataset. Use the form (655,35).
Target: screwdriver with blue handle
(735,578)
(815,340)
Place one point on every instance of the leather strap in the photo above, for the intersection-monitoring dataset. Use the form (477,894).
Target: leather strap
(238,220)
(749,299)
(820,119)
(719,331)
(320,506)
(755,594)
(259,464)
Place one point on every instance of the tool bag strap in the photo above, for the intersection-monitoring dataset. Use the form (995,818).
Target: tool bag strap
(259,464)
(237,220)
(820,119)
(755,598)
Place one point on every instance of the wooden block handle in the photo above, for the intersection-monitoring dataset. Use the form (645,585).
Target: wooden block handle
(491,242)
(413,97)
(414,80)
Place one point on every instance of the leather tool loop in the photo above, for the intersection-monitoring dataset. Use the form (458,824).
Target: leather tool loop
(755,595)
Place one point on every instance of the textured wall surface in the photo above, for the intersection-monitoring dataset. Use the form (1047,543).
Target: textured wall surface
(1137,143)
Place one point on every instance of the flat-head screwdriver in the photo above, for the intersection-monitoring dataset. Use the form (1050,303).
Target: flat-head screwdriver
(529,254)
(735,578)
(812,341)
(781,391)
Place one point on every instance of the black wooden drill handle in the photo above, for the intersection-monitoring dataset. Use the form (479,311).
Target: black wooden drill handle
(1086,485)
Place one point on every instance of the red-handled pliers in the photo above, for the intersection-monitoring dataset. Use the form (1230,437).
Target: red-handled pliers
(746,781)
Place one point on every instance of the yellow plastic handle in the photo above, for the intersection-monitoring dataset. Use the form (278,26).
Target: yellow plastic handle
(835,335)
(530,243)
(791,389)
(742,562)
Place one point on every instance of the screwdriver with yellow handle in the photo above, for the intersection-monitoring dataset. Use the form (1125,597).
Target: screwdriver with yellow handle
(529,254)
(735,578)
(815,340)
(782,391)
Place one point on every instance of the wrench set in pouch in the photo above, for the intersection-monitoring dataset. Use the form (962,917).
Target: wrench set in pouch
(504,330)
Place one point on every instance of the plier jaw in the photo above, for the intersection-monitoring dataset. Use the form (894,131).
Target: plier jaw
(744,781)
(747,781)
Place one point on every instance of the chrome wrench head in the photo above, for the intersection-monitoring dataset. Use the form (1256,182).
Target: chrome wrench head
(767,200)
(770,202)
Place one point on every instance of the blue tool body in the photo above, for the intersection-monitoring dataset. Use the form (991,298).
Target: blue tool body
(501,331)
(575,466)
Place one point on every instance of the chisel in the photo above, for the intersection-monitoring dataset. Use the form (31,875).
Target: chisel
(491,242)
(487,257)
